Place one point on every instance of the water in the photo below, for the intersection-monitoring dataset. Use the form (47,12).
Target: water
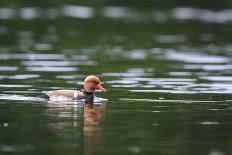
(167,70)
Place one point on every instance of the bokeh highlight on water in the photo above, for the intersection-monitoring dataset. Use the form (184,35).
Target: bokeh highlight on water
(167,69)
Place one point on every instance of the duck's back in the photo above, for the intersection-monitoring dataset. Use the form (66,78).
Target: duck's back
(63,95)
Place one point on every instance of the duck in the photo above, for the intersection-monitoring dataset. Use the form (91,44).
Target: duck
(91,83)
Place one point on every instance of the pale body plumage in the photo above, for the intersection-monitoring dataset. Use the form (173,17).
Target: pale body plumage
(64,95)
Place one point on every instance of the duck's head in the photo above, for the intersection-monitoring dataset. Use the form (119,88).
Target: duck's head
(92,83)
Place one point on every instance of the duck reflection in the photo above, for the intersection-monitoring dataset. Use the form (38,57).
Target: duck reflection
(92,129)
(82,122)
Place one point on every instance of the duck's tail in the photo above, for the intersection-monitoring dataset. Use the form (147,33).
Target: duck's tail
(44,95)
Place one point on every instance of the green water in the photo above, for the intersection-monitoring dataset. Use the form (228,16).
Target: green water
(166,66)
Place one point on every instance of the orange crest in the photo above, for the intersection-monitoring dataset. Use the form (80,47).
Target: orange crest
(92,78)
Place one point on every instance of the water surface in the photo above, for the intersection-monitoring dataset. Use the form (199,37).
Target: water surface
(167,71)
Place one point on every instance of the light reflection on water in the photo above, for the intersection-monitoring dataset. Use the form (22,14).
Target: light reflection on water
(197,58)
(186,81)
(52,69)
(35,56)
(78,11)
(8,68)
(119,12)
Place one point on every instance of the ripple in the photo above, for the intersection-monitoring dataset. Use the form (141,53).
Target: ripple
(196,58)
(80,57)
(180,73)
(117,12)
(163,91)
(5,125)
(211,67)
(126,86)
(126,74)
(29,13)
(49,63)
(214,109)
(21,92)
(135,149)
(19,97)
(156,111)
(24,76)
(97,100)
(170,82)
(217,78)
(209,123)
(43,46)
(122,82)
(170,38)
(216,152)
(7,148)
(52,69)
(14,86)
(206,37)
(8,68)
(160,79)
(58,63)
(204,15)
(32,56)
(138,54)
(139,70)
(172,101)
(76,11)
(120,12)
(7,13)
(67,76)
(3,77)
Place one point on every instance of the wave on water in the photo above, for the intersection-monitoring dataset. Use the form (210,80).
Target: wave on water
(172,101)
(97,100)
(19,97)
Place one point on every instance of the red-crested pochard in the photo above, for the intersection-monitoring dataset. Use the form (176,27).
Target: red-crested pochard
(91,83)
